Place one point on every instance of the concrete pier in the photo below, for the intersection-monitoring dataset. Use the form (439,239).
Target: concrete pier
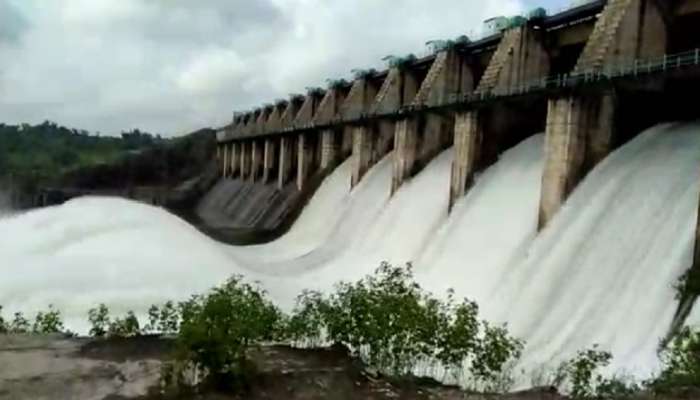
(330,149)
(256,160)
(235,159)
(287,160)
(245,159)
(306,159)
(467,148)
(270,159)
(579,134)
(361,153)
(405,143)
(224,165)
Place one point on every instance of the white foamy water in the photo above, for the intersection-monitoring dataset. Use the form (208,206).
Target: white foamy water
(600,273)
(93,250)
(603,271)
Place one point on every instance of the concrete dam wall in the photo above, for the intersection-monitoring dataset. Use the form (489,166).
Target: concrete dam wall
(591,78)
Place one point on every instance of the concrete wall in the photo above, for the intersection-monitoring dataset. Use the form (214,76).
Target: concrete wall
(287,160)
(307,110)
(290,112)
(307,161)
(235,156)
(467,148)
(579,134)
(520,58)
(245,159)
(626,30)
(274,121)
(270,159)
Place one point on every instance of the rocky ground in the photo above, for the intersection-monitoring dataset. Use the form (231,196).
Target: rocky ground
(60,368)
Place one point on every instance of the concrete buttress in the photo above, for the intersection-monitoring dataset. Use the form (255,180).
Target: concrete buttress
(287,158)
(329,149)
(467,151)
(579,133)
(305,159)
(235,159)
(405,142)
(270,159)
(256,160)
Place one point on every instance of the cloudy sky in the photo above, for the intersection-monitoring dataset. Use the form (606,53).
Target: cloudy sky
(171,66)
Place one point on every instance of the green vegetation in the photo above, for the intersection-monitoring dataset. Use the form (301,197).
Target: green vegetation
(42,153)
(385,319)
(390,322)
(682,363)
(48,322)
(217,329)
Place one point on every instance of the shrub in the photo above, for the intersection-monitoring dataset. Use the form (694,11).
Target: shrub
(580,371)
(124,327)
(48,322)
(99,320)
(19,324)
(617,388)
(217,328)
(493,353)
(164,320)
(390,322)
(681,363)
(3,325)
(307,325)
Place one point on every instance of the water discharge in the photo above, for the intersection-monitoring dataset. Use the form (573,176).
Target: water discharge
(602,272)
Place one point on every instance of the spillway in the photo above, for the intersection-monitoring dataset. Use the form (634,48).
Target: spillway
(602,272)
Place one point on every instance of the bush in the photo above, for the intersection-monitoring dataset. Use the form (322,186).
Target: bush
(164,320)
(390,322)
(3,325)
(681,363)
(19,324)
(581,369)
(217,328)
(125,327)
(48,322)
(99,320)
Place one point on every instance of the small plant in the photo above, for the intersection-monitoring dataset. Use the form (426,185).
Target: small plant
(99,320)
(581,370)
(48,322)
(307,325)
(681,363)
(336,83)
(3,325)
(168,319)
(688,284)
(363,73)
(19,324)
(617,388)
(391,323)
(124,327)
(495,350)
(217,329)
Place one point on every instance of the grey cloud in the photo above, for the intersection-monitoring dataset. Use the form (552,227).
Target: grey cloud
(12,22)
(171,66)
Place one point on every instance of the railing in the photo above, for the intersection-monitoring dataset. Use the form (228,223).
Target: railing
(634,69)
(637,69)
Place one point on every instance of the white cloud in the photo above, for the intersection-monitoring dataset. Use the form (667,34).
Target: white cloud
(171,66)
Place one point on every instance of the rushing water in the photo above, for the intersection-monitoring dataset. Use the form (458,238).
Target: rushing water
(602,272)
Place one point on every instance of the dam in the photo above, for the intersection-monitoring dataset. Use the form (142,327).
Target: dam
(590,77)
(548,171)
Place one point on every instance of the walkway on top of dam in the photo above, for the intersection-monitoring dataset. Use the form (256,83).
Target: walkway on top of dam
(642,70)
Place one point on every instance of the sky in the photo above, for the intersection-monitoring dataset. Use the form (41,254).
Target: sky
(174,66)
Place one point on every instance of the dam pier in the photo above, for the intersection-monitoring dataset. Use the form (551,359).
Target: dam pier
(590,77)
